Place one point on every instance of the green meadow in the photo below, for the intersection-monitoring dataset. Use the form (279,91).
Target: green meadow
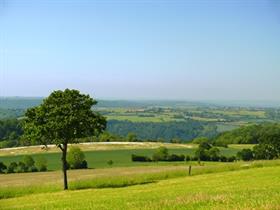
(136,185)
(120,157)
(233,186)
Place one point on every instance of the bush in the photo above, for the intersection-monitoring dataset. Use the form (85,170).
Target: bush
(8,143)
(202,154)
(205,145)
(245,154)
(264,152)
(41,164)
(231,159)
(187,158)
(110,162)
(161,154)
(200,140)
(3,167)
(194,158)
(175,157)
(22,167)
(28,161)
(12,167)
(214,154)
(223,158)
(84,164)
(76,158)
(139,158)
(33,169)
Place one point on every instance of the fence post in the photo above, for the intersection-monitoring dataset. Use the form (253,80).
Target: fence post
(190,170)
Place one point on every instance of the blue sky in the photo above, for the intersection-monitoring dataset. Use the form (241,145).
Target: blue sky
(191,50)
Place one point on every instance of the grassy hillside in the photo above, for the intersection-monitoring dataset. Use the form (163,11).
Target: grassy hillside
(257,188)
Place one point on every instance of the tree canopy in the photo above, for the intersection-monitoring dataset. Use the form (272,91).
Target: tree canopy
(62,118)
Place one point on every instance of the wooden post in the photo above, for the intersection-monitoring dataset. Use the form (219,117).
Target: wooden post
(190,170)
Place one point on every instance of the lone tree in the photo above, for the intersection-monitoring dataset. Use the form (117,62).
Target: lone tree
(63,118)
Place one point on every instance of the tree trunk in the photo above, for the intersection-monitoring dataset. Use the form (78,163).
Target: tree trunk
(64,166)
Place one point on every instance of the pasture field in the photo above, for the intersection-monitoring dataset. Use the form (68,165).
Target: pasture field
(97,155)
(167,114)
(254,187)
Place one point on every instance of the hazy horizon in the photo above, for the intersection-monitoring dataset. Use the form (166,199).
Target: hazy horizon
(229,103)
(133,50)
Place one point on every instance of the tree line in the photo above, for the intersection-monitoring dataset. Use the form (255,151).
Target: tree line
(185,131)
(252,134)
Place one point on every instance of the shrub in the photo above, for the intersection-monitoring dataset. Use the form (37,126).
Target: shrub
(194,158)
(160,154)
(187,158)
(12,167)
(84,164)
(41,164)
(202,154)
(28,161)
(175,157)
(223,158)
(139,158)
(264,152)
(214,154)
(22,167)
(76,158)
(245,154)
(205,145)
(3,167)
(33,169)
(110,162)
(231,159)
(200,140)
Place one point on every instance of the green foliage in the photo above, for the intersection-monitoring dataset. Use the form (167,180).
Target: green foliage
(28,161)
(131,137)
(245,154)
(108,137)
(174,157)
(10,131)
(214,154)
(270,138)
(160,154)
(140,158)
(110,162)
(252,134)
(3,167)
(264,152)
(27,164)
(200,140)
(62,118)
(205,145)
(22,167)
(41,164)
(12,168)
(76,158)
(186,130)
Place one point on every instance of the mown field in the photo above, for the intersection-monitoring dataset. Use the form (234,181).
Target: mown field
(239,187)
(98,155)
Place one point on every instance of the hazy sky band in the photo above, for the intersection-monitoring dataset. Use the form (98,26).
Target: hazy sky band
(197,50)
